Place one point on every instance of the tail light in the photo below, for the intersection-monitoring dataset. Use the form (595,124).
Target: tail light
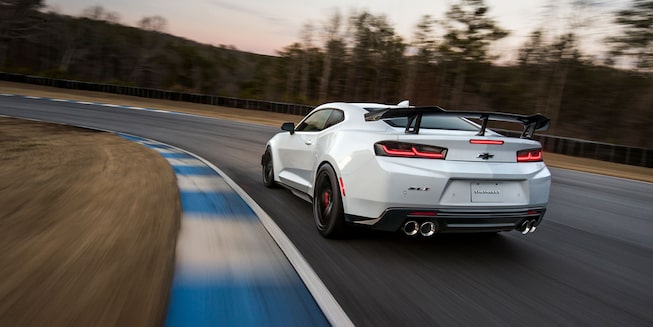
(409,150)
(531,155)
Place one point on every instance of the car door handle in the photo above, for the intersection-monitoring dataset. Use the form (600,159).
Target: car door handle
(308,142)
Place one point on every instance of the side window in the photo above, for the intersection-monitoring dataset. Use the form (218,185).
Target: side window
(315,122)
(336,117)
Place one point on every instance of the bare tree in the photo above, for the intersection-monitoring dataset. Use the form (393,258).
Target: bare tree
(469,32)
(151,46)
(423,48)
(153,23)
(376,62)
(18,21)
(636,42)
(71,50)
(94,12)
(99,13)
(333,44)
(635,39)
(551,52)
(307,34)
(291,57)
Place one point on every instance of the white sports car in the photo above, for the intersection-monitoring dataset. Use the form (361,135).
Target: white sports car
(420,170)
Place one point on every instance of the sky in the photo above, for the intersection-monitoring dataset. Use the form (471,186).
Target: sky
(266,27)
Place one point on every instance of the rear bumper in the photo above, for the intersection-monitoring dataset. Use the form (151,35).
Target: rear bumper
(454,220)
(387,183)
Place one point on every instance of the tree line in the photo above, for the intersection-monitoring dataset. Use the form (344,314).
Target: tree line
(360,57)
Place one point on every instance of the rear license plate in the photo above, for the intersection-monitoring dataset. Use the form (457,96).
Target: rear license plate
(487,191)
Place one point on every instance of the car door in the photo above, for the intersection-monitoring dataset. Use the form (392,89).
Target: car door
(298,151)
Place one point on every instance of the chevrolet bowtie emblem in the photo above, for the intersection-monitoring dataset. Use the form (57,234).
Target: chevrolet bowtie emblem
(485,156)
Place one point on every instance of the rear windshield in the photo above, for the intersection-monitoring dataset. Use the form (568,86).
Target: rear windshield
(435,122)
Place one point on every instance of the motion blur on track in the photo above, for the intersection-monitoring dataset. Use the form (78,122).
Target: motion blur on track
(421,170)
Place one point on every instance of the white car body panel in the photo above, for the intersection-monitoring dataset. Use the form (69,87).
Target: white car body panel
(463,182)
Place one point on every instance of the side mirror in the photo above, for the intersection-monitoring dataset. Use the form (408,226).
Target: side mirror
(290,127)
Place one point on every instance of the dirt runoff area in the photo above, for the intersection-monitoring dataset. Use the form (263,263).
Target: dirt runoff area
(88,225)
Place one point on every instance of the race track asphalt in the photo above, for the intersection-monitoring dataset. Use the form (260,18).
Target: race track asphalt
(589,264)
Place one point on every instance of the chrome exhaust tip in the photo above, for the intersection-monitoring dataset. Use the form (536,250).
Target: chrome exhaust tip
(427,229)
(410,228)
(526,227)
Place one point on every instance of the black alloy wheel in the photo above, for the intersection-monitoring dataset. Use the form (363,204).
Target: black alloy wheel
(327,204)
(268,169)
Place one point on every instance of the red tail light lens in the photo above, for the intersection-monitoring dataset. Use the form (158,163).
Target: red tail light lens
(531,155)
(409,150)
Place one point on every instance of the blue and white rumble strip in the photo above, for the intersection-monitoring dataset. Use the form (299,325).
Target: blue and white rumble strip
(229,271)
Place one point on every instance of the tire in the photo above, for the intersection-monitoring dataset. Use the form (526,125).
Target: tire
(267,170)
(327,204)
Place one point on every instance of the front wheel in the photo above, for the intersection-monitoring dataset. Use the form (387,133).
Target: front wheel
(268,169)
(327,204)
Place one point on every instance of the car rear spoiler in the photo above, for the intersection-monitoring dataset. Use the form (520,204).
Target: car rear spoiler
(531,123)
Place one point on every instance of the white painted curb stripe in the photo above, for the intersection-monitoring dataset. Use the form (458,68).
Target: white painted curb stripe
(202,183)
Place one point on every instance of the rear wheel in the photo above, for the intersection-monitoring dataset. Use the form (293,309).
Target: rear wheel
(268,169)
(327,204)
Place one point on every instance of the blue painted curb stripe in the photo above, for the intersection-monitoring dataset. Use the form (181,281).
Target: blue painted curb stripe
(175,155)
(189,306)
(229,271)
(221,205)
(194,170)
(156,146)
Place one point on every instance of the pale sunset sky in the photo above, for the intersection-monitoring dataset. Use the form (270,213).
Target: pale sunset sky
(266,27)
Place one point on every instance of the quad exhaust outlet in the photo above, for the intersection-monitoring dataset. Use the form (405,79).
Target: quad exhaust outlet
(429,228)
(426,229)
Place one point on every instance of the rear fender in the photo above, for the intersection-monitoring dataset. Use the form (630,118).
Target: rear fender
(339,176)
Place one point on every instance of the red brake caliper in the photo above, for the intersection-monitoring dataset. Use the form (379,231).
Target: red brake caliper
(326,199)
